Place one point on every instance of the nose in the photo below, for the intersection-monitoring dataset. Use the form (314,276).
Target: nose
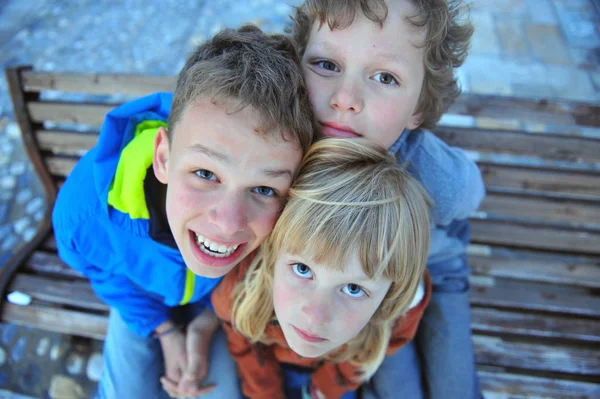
(347,97)
(229,214)
(317,310)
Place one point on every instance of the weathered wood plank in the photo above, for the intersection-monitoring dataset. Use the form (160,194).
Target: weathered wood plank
(500,385)
(547,209)
(85,114)
(75,293)
(60,166)
(50,264)
(555,271)
(534,236)
(547,146)
(494,351)
(70,143)
(55,319)
(134,85)
(514,294)
(538,179)
(554,112)
(496,321)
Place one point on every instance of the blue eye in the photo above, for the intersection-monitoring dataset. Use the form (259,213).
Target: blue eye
(266,191)
(206,174)
(354,291)
(386,78)
(302,270)
(327,65)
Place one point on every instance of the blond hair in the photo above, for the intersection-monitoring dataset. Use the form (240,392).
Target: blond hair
(348,194)
(448,35)
(252,69)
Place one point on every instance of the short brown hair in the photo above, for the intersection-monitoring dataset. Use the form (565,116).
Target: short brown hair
(446,44)
(253,69)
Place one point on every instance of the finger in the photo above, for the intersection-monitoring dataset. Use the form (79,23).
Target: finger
(169,386)
(200,391)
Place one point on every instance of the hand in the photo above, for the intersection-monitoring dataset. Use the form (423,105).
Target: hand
(198,336)
(173,346)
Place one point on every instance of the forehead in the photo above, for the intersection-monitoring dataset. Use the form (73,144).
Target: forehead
(397,35)
(225,121)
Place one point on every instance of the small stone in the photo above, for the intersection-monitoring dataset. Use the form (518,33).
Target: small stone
(34,205)
(23,196)
(39,216)
(7,148)
(18,168)
(43,346)
(3,159)
(94,367)
(74,364)
(18,351)
(8,182)
(12,130)
(21,224)
(29,378)
(3,379)
(10,242)
(58,350)
(8,333)
(2,356)
(3,211)
(29,234)
(63,387)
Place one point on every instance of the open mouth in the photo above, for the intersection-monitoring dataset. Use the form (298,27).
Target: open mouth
(214,249)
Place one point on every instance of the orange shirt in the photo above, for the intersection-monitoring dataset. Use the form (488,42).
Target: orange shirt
(259,364)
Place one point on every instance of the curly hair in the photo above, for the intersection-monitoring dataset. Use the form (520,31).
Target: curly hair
(448,35)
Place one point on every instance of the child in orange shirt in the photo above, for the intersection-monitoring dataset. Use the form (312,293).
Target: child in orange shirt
(340,283)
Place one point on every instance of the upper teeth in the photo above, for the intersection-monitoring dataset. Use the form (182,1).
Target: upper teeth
(213,246)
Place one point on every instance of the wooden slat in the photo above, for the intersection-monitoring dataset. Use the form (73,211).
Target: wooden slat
(496,321)
(500,385)
(64,321)
(557,270)
(500,352)
(555,112)
(49,244)
(546,209)
(521,235)
(514,294)
(548,146)
(60,142)
(537,179)
(134,85)
(85,114)
(60,166)
(72,293)
(46,263)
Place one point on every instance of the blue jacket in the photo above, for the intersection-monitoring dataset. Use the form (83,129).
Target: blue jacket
(102,222)
(456,187)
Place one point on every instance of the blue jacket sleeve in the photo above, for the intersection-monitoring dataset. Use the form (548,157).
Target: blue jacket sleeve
(140,311)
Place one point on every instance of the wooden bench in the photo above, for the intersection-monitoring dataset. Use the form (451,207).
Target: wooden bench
(535,249)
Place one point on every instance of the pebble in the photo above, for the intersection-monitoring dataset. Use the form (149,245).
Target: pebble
(75,363)
(10,242)
(23,196)
(21,224)
(29,378)
(94,366)
(34,205)
(43,346)
(58,350)
(8,333)
(18,351)
(63,387)
(8,182)
(18,168)
(29,234)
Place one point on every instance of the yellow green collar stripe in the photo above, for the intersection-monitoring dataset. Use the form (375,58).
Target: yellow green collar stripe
(188,291)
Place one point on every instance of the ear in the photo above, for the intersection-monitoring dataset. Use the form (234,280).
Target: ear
(160,159)
(415,121)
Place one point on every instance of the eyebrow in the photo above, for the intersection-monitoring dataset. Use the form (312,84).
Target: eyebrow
(226,159)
